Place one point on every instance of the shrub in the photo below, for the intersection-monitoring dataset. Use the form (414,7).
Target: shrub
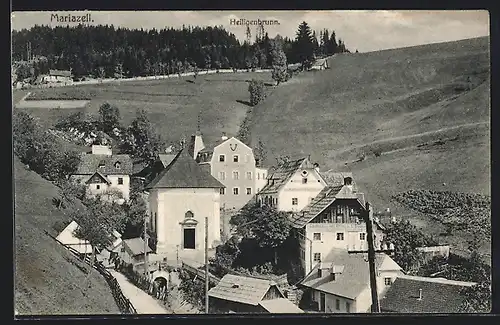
(257,93)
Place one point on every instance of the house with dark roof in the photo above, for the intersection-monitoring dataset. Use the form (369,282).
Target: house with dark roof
(180,197)
(105,174)
(340,283)
(414,294)
(233,163)
(333,219)
(240,294)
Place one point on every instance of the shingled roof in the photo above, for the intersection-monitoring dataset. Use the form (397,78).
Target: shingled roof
(438,295)
(282,173)
(136,246)
(322,201)
(353,276)
(90,163)
(241,289)
(336,178)
(184,172)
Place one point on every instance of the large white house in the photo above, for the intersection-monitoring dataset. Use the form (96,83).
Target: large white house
(292,185)
(232,163)
(341,282)
(180,197)
(105,174)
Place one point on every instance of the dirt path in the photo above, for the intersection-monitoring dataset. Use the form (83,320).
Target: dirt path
(404,137)
(143,303)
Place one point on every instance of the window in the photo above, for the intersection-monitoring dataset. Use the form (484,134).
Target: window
(249,175)
(347,306)
(102,163)
(236,175)
(98,187)
(333,276)
(317,257)
(337,304)
(222,191)
(120,180)
(236,158)
(222,158)
(236,191)
(317,236)
(222,176)
(340,236)
(249,191)
(117,165)
(362,236)
(387,281)
(320,273)
(258,175)
(295,201)
(304,180)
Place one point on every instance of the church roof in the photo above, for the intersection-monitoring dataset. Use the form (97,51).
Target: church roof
(184,172)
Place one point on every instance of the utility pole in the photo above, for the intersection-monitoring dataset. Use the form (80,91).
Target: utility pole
(206,265)
(371,258)
(146,266)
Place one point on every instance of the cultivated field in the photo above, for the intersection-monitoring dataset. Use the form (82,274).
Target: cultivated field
(411,118)
(173,104)
(48,279)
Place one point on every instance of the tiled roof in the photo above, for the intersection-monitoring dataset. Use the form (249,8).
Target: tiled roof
(184,172)
(136,245)
(283,172)
(438,295)
(89,164)
(322,201)
(280,306)
(241,289)
(352,280)
(335,178)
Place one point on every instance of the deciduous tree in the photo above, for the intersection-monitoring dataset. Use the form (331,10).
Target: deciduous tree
(109,117)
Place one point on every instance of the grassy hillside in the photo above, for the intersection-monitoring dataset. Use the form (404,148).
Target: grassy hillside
(49,279)
(173,104)
(419,117)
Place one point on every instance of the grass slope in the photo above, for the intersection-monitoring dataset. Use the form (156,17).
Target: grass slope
(48,278)
(400,103)
(173,104)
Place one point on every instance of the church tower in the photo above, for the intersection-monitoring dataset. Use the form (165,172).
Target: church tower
(196,143)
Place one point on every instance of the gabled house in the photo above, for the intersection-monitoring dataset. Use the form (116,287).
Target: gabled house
(239,294)
(105,173)
(132,251)
(334,218)
(340,283)
(292,185)
(232,163)
(180,197)
(414,294)
(67,237)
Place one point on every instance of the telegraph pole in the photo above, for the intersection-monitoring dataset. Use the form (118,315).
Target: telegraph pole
(371,258)
(146,266)
(206,265)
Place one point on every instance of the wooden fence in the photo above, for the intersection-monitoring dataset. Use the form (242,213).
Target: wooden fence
(122,301)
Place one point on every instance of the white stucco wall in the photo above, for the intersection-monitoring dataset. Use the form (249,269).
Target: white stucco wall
(103,187)
(304,193)
(260,178)
(329,240)
(171,205)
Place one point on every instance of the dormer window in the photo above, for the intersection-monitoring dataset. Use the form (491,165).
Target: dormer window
(102,163)
(117,165)
(347,181)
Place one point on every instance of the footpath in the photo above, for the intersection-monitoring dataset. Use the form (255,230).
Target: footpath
(143,302)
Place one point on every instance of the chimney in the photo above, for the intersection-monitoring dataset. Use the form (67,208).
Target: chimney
(419,294)
(224,136)
(316,167)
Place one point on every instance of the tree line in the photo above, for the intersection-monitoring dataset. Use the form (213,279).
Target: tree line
(109,52)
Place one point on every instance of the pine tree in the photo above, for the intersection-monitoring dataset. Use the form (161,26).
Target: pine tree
(279,62)
(304,45)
